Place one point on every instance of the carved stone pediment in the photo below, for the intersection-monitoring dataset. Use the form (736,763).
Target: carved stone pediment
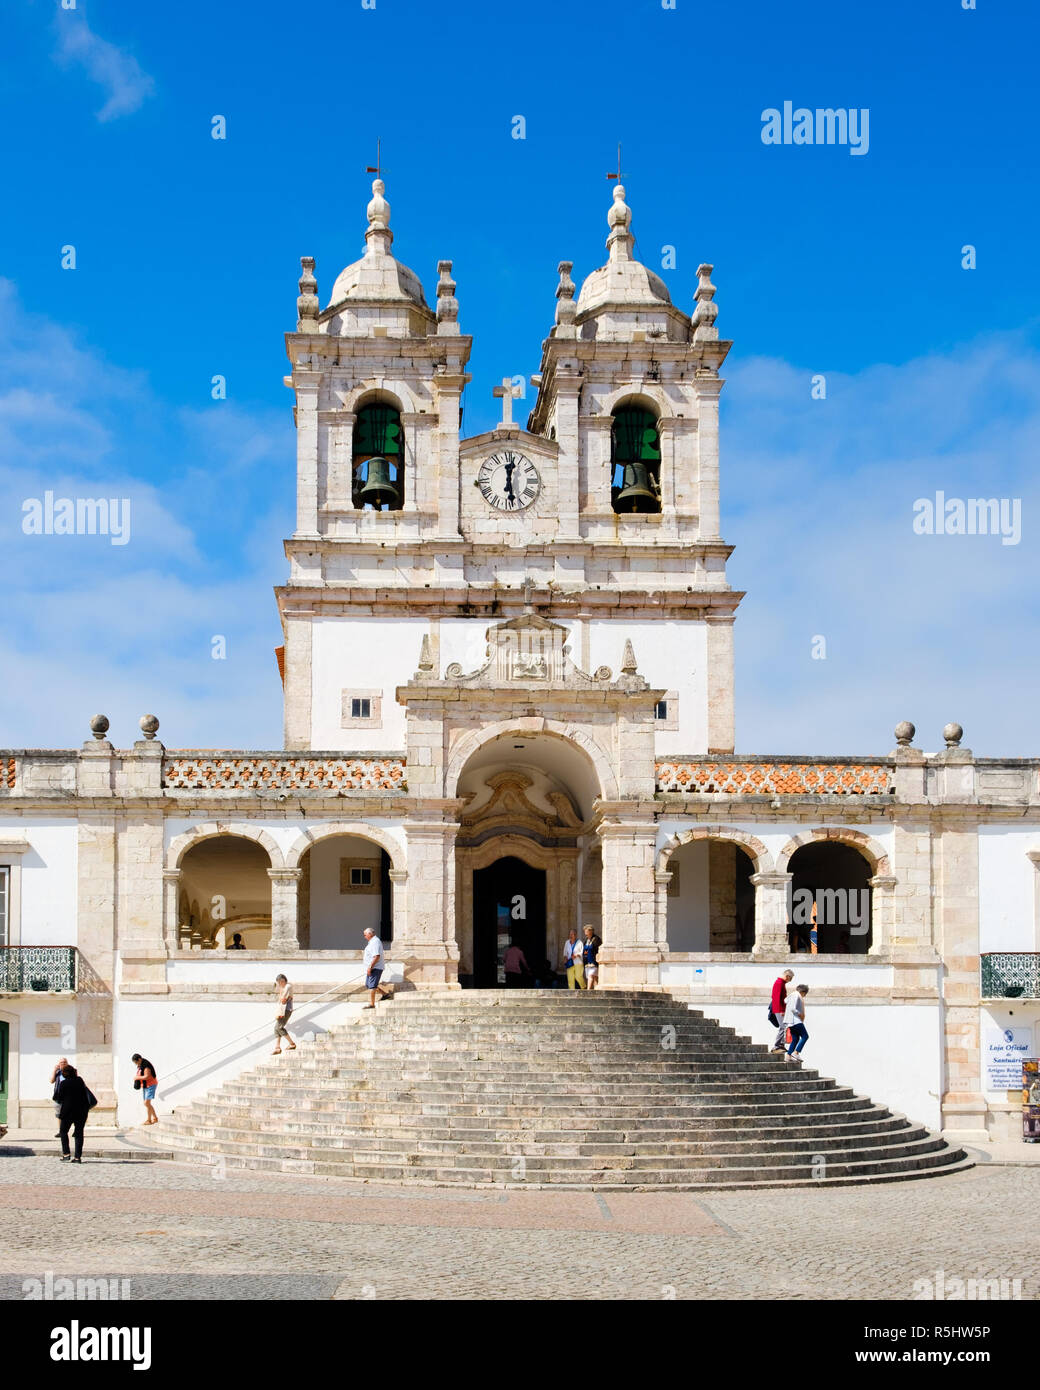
(532,651)
(510,809)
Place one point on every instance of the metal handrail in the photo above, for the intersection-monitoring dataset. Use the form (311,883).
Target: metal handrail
(243,1036)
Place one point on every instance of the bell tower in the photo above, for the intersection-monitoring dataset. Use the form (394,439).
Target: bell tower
(600,515)
(378,378)
(629,391)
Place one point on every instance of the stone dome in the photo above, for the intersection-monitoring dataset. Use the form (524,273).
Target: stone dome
(378,276)
(622,281)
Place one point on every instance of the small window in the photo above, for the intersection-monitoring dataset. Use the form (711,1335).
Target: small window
(361,709)
(661,709)
(359,875)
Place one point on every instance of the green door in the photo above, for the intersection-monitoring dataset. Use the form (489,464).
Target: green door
(4,1038)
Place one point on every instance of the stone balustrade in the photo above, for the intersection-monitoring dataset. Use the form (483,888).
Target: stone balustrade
(148,769)
(739,776)
(277,771)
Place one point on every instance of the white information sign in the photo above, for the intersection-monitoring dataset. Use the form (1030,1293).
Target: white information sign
(1002,1053)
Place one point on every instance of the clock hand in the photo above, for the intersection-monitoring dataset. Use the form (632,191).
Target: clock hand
(509,466)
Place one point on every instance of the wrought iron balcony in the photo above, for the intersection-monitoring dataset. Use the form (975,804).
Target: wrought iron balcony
(1011,975)
(39,969)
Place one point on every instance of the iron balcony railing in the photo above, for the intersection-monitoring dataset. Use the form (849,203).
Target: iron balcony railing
(43,969)
(1011,975)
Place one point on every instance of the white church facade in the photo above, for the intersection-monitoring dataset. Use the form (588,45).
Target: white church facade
(508,684)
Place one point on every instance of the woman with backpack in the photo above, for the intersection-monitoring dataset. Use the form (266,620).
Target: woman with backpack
(75,1102)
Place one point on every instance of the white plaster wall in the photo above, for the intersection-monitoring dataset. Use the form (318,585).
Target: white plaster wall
(760,975)
(689,922)
(361,654)
(217,971)
(176,1035)
(671,656)
(1007,888)
(49,880)
(339,919)
(463,640)
(889,1052)
(37,1056)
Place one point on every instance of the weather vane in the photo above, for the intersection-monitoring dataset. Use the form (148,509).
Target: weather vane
(377,167)
(618,174)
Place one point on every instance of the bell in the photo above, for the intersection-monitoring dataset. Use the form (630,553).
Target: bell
(379,489)
(637,495)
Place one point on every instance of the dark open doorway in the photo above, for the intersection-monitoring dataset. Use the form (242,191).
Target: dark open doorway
(508,906)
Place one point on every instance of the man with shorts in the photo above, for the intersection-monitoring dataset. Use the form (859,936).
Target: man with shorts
(374,961)
(285,1007)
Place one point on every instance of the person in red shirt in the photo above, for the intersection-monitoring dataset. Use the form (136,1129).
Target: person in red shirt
(777,1005)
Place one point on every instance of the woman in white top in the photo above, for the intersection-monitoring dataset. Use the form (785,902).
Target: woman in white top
(573,960)
(794,1019)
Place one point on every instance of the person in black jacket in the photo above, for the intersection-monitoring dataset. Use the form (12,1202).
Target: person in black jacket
(75,1105)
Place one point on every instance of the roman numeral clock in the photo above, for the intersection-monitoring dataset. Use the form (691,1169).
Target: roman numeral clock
(508,481)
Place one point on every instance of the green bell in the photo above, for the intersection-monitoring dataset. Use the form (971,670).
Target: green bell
(637,495)
(380,489)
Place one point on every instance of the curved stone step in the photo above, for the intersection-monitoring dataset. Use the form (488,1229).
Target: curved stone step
(461,1089)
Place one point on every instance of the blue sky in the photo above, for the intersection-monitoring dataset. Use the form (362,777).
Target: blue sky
(187,255)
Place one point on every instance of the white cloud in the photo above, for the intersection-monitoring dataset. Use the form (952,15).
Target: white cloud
(125,84)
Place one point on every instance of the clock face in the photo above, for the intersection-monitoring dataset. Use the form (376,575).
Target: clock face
(509,481)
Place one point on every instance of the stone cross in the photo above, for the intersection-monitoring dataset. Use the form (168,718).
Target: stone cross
(509,393)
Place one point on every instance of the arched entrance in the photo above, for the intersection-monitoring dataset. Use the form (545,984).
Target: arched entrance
(508,909)
(224,888)
(526,833)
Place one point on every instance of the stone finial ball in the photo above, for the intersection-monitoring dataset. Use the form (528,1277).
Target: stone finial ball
(149,725)
(905,733)
(99,725)
(953,733)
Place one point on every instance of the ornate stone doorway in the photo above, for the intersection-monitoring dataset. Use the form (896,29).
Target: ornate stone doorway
(508,909)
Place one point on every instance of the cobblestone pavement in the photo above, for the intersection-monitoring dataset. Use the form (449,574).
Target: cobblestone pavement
(179,1232)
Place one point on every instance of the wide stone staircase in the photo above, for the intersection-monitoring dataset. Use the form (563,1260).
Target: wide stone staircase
(606,1090)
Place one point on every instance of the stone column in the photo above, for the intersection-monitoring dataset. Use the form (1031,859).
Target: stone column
(307,384)
(708,389)
(882,904)
(963,1104)
(568,390)
(771,906)
(337,429)
(632,951)
(284,894)
(448,388)
(95,941)
(721,726)
(596,465)
(171,908)
(426,944)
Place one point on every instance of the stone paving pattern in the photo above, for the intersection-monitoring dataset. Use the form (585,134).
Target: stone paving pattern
(183,1233)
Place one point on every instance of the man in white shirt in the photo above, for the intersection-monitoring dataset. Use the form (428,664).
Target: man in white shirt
(374,963)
